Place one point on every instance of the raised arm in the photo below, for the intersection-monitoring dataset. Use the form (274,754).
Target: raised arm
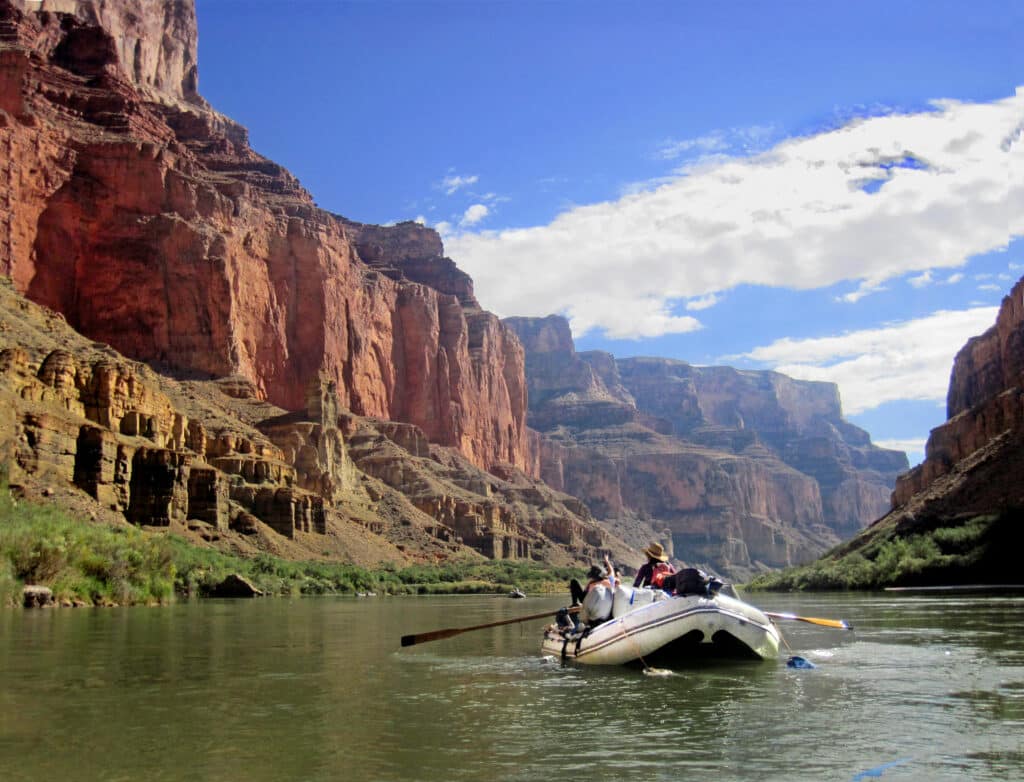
(610,569)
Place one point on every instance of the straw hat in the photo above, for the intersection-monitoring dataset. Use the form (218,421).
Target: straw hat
(655,551)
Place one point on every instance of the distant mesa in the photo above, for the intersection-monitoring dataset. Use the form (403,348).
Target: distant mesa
(741,470)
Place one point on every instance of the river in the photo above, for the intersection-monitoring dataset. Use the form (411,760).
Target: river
(923,688)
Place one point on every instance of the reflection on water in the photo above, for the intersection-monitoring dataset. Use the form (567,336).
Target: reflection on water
(319,689)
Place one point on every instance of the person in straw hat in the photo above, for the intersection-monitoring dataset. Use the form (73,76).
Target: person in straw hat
(653,572)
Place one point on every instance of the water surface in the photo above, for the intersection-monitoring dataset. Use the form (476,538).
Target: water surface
(924,688)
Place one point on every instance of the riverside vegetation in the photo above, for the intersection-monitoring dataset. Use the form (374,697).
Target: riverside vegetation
(86,563)
(970,549)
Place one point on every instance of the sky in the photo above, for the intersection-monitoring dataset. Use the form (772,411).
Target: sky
(832,190)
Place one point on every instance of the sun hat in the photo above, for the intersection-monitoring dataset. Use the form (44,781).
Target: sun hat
(655,551)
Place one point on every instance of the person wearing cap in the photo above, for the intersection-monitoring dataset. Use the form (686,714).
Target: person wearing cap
(653,572)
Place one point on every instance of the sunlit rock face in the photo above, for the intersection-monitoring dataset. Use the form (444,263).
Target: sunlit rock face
(312,386)
(985,408)
(208,459)
(145,218)
(745,470)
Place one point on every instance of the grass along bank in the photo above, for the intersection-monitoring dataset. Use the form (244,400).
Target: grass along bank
(86,563)
(979,549)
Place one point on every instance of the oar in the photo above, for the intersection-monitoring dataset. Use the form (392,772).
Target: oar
(839,624)
(437,635)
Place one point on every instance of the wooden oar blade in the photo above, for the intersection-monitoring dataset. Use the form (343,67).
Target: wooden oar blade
(838,624)
(436,635)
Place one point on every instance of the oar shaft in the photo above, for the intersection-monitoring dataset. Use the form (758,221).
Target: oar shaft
(437,635)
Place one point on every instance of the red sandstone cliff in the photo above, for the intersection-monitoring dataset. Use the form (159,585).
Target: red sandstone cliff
(332,372)
(738,470)
(110,438)
(312,386)
(146,219)
(985,404)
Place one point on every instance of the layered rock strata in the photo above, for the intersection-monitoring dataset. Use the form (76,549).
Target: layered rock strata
(210,460)
(147,220)
(742,470)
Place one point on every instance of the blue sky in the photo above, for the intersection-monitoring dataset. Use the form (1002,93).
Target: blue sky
(831,189)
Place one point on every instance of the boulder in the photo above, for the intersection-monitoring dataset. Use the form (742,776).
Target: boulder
(235,586)
(34,596)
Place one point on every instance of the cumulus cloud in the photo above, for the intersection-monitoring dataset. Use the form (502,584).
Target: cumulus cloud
(474,214)
(908,360)
(796,216)
(455,182)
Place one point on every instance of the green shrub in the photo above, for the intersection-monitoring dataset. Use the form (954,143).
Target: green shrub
(945,554)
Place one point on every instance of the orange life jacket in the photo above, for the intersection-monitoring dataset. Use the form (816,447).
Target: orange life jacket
(658,573)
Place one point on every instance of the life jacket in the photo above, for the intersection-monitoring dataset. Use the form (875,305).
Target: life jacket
(658,573)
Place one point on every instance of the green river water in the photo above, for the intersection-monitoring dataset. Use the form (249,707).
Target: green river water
(924,688)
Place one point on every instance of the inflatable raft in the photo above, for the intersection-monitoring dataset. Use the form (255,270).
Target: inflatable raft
(652,627)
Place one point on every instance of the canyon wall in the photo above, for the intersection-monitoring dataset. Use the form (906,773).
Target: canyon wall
(957,517)
(984,406)
(145,218)
(319,387)
(110,438)
(737,470)
(202,349)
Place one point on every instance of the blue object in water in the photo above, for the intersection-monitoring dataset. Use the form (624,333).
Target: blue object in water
(796,661)
(877,771)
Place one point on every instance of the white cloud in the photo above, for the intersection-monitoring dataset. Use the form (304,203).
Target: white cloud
(911,444)
(670,149)
(629,319)
(473,215)
(913,448)
(734,140)
(909,360)
(795,216)
(703,303)
(925,279)
(991,287)
(455,182)
(866,288)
